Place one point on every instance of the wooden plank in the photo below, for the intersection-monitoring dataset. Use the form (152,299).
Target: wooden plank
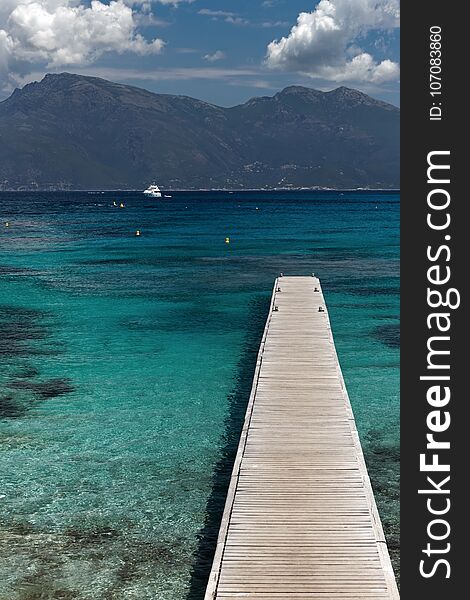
(300,519)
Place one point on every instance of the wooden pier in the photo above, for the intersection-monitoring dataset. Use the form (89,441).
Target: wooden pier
(300,520)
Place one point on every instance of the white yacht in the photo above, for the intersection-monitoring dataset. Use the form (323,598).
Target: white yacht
(153,191)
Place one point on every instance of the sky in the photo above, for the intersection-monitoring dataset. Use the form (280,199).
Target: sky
(221,51)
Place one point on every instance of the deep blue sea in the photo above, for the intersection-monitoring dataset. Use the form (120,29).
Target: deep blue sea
(126,363)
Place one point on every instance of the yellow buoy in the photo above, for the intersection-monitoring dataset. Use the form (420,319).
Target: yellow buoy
(7,224)
(227,240)
(121,205)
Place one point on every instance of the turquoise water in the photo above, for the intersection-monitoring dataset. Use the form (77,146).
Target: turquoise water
(126,363)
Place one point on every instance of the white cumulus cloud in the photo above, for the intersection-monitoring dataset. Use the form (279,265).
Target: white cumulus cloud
(228,17)
(324,42)
(59,33)
(216,56)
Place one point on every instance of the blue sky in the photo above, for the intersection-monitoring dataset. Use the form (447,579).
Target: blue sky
(222,51)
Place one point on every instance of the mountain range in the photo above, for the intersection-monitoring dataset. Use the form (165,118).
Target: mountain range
(75,132)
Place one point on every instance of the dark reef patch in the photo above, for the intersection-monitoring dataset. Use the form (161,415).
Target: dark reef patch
(18,328)
(47,592)
(26,394)
(21,528)
(388,334)
(114,554)
(10,408)
(26,372)
(21,330)
(25,333)
(106,262)
(9,311)
(141,553)
(45,389)
(96,535)
(7,270)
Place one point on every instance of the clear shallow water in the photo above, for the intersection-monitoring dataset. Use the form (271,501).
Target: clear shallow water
(126,363)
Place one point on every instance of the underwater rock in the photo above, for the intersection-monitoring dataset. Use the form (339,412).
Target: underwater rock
(45,389)
(9,409)
(388,334)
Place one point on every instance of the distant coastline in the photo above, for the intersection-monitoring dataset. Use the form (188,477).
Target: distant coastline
(197,190)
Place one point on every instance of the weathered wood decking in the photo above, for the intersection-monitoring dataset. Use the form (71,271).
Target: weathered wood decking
(300,519)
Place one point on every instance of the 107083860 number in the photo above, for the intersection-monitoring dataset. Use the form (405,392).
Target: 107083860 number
(435,60)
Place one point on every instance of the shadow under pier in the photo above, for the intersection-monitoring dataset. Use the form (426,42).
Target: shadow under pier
(238,400)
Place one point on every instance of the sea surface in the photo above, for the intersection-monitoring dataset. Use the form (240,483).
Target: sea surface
(126,363)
